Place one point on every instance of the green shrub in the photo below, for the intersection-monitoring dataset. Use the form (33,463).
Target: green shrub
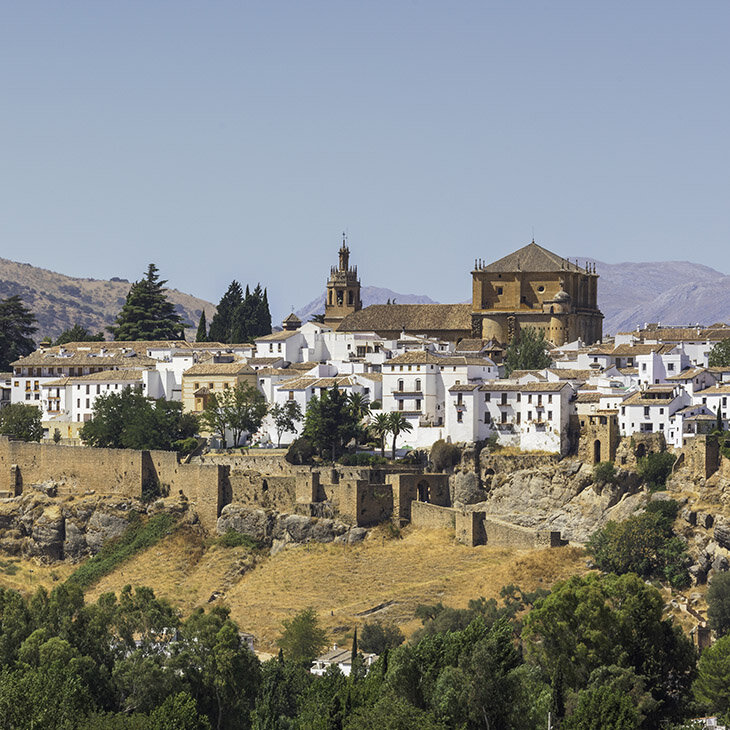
(376,405)
(185,446)
(443,455)
(376,637)
(654,469)
(643,544)
(300,452)
(138,536)
(362,459)
(718,603)
(605,472)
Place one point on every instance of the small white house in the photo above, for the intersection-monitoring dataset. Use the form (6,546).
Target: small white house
(341,658)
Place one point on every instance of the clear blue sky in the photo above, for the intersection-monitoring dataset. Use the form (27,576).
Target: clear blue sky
(239,139)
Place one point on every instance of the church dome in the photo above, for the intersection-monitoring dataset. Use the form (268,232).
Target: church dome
(562,296)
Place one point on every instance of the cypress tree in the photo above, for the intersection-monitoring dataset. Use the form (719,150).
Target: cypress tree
(718,425)
(17,324)
(220,325)
(148,314)
(202,334)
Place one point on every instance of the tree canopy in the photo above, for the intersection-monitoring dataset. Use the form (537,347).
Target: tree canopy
(128,420)
(22,421)
(17,325)
(239,317)
(240,409)
(330,423)
(148,314)
(527,351)
(77,333)
(719,356)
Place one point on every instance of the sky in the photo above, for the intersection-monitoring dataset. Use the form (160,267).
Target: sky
(226,140)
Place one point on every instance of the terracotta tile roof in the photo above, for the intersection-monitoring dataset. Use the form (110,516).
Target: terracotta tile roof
(302,366)
(632,350)
(415,357)
(471,345)
(464,388)
(683,334)
(305,382)
(416,318)
(719,389)
(219,368)
(281,372)
(590,396)
(515,374)
(687,374)
(493,386)
(532,258)
(465,360)
(264,360)
(377,377)
(111,376)
(569,374)
(661,396)
(37,358)
(277,336)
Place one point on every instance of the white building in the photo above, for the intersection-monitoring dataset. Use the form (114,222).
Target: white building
(650,411)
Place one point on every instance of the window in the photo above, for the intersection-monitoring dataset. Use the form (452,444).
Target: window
(196,386)
(661,411)
(418,404)
(529,398)
(98,389)
(529,415)
(37,396)
(504,399)
(459,399)
(291,395)
(487,418)
(550,416)
(400,405)
(550,398)
(27,386)
(87,403)
(504,416)
(278,347)
(459,416)
(418,384)
(643,367)
(35,385)
(499,291)
(87,390)
(670,366)
(623,410)
(211,386)
(487,397)
(225,386)
(400,385)
(519,397)
(78,402)
(646,411)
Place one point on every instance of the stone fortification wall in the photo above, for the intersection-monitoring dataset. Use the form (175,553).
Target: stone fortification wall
(702,456)
(432,516)
(108,471)
(495,463)
(270,492)
(407,488)
(504,534)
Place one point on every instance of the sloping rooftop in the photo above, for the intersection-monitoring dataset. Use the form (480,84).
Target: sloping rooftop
(219,368)
(533,258)
(416,318)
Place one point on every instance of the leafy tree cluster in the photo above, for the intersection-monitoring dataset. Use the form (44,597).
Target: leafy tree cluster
(77,333)
(644,544)
(285,416)
(719,355)
(331,422)
(128,420)
(655,469)
(240,410)
(148,314)
(528,350)
(21,421)
(389,424)
(17,326)
(239,317)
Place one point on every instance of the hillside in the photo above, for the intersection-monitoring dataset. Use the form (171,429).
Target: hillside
(341,582)
(59,301)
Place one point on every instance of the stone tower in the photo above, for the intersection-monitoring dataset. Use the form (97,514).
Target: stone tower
(343,290)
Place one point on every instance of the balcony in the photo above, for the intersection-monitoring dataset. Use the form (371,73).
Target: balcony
(460,406)
(407,393)
(504,426)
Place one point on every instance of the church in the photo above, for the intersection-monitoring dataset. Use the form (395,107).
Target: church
(531,287)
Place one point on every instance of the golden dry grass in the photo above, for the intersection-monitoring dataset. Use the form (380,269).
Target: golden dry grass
(339,581)
(27,575)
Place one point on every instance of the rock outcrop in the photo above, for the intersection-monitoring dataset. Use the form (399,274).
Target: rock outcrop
(277,530)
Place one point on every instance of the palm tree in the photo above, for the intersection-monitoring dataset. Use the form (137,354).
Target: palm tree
(380,426)
(360,408)
(398,424)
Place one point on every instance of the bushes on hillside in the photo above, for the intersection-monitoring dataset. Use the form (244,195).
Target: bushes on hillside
(444,456)
(362,459)
(654,469)
(643,544)
(604,472)
(300,452)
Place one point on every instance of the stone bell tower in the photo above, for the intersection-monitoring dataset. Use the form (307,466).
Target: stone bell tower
(343,290)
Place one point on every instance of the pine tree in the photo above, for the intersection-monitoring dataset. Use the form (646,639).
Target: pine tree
(220,325)
(148,314)
(17,324)
(202,333)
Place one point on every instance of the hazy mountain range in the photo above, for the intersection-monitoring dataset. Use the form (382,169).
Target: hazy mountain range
(629,294)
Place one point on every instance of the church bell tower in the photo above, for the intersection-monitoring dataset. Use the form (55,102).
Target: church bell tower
(343,290)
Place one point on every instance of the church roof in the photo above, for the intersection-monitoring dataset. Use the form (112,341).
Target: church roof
(533,258)
(415,318)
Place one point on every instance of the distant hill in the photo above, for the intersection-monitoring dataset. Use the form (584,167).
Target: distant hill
(670,292)
(369,295)
(60,301)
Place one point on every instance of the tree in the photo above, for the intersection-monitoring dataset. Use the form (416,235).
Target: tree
(655,469)
(220,325)
(147,313)
(712,686)
(239,409)
(527,351)
(21,421)
(360,407)
(398,424)
(719,356)
(718,603)
(285,416)
(643,544)
(602,708)
(202,334)
(377,637)
(77,333)
(17,325)
(329,423)
(380,426)
(128,420)
(302,638)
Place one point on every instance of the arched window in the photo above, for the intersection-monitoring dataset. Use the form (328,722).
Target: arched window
(418,384)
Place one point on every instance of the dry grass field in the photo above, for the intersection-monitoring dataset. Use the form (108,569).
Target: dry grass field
(343,583)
